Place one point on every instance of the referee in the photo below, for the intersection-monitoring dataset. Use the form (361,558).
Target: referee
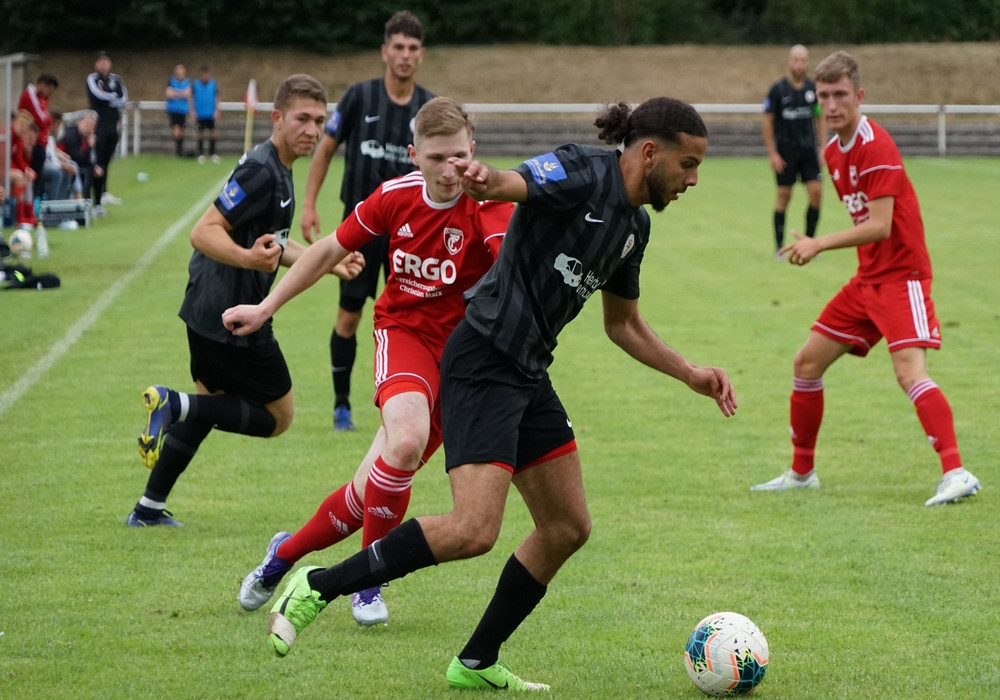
(790,124)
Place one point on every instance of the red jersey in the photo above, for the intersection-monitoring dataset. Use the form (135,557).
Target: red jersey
(39,108)
(868,167)
(20,159)
(436,252)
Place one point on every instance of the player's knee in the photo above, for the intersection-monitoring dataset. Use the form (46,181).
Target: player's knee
(282,421)
(404,450)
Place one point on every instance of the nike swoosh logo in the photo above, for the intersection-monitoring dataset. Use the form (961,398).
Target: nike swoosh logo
(590,217)
(372,119)
(494,685)
(286,202)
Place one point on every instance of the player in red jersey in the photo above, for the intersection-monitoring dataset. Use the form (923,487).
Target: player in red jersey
(890,296)
(442,241)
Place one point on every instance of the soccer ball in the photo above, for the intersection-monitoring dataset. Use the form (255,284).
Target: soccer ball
(21,244)
(726,654)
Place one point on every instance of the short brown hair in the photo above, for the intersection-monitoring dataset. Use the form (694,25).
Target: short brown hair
(836,66)
(298,85)
(406,23)
(442,116)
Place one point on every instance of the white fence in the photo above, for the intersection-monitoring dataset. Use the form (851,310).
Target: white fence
(936,122)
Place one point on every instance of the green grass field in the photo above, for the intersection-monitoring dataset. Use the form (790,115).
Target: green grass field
(861,591)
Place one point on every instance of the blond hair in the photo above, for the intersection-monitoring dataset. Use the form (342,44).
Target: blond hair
(836,66)
(442,116)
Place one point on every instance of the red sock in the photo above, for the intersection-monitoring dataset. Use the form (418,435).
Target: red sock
(340,516)
(806,417)
(935,415)
(387,495)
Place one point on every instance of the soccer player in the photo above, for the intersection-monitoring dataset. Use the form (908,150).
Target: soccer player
(205,98)
(374,121)
(242,384)
(441,242)
(790,123)
(890,296)
(178,94)
(579,227)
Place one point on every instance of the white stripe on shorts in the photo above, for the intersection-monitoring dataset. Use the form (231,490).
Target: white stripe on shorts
(918,309)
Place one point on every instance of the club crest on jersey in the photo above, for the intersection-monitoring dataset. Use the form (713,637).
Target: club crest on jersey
(546,168)
(333,122)
(454,239)
(853,172)
(232,194)
(629,245)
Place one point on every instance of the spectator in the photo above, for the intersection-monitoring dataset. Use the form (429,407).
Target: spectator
(35,99)
(107,97)
(205,96)
(78,143)
(59,171)
(178,105)
(23,135)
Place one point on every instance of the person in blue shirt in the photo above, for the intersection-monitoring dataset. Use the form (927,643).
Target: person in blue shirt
(205,96)
(178,105)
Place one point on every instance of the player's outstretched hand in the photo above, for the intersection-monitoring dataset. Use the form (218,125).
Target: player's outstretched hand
(309,222)
(473,176)
(243,319)
(713,381)
(802,250)
(265,254)
(350,267)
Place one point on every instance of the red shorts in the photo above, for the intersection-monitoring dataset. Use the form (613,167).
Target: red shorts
(404,362)
(862,314)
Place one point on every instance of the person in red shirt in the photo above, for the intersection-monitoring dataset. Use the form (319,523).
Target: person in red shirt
(441,242)
(35,99)
(23,138)
(890,296)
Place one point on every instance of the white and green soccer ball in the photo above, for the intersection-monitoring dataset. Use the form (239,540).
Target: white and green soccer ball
(726,654)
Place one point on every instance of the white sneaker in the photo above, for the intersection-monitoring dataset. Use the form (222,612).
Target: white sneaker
(108,198)
(259,585)
(955,485)
(215,158)
(368,608)
(98,212)
(201,160)
(787,482)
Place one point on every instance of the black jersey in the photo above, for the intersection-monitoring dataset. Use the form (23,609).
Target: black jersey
(258,198)
(576,233)
(108,97)
(375,132)
(794,110)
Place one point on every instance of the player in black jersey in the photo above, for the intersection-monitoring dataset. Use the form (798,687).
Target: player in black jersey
(374,121)
(242,383)
(790,125)
(579,227)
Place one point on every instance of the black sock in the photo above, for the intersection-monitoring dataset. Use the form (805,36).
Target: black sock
(211,147)
(178,145)
(201,147)
(179,447)
(402,551)
(232,414)
(342,354)
(812,218)
(516,596)
(779,229)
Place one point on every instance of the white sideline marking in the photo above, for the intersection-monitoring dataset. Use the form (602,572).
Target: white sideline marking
(59,348)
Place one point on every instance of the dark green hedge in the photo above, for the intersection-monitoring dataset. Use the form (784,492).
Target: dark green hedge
(330,26)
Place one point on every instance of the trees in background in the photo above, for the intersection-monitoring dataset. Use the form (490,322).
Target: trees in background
(334,25)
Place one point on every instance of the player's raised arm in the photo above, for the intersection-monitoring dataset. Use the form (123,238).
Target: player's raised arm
(211,236)
(481,181)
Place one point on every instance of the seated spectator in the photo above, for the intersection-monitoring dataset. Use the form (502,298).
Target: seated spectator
(59,171)
(35,101)
(78,143)
(23,136)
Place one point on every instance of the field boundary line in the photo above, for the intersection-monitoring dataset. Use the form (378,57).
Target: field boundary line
(20,387)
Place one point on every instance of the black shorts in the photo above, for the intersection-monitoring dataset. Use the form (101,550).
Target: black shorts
(491,412)
(177,119)
(258,373)
(800,163)
(353,293)
(206,124)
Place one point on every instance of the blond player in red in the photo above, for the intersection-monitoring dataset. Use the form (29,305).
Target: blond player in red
(441,242)
(890,296)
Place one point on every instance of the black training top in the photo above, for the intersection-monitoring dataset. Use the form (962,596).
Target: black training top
(794,113)
(576,233)
(375,132)
(258,198)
